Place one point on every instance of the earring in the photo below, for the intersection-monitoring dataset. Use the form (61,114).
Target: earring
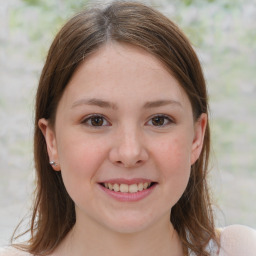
(52,163)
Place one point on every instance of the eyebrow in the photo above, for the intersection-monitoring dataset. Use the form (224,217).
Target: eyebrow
(160,103)
(105,104)
(94,102)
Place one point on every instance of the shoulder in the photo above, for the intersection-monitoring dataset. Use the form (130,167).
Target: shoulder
(237,240)
(10,251)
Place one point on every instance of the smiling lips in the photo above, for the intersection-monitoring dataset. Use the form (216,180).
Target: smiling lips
(128,190)
(125,188)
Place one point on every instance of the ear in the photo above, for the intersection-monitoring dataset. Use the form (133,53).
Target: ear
(198,140)
(51,143)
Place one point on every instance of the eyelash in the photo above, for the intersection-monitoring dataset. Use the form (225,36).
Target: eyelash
(90,118)
(166,118)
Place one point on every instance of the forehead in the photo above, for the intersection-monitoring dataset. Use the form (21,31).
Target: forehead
(123,71)
(112,54)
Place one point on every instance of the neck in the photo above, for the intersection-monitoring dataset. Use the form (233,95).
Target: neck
(91,239)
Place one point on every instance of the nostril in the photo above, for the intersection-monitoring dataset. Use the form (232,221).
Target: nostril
(127,165)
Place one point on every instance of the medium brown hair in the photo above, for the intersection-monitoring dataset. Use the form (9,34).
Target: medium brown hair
(139,25)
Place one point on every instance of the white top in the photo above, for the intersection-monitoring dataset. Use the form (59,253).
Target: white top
(235,240)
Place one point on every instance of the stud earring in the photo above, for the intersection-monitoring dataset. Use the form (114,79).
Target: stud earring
(52,163)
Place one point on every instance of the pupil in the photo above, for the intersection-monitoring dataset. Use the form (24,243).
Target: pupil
(157,121)
(97,121)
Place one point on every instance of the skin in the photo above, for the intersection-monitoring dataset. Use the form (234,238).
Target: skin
(129,143)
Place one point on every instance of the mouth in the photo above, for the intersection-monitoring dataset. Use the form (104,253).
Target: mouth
(128,188)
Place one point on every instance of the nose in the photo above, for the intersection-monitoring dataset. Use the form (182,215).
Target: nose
(128,150)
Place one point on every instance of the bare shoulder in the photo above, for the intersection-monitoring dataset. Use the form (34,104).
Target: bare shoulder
(238,240)
(10,251)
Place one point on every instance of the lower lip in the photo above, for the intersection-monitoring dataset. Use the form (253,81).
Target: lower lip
(128,197)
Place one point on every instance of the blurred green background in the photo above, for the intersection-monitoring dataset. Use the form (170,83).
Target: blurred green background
(223,33)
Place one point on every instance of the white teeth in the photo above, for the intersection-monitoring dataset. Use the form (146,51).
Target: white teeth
(116,187)
(133,188)
(125,188)
(140,186)
(145,185)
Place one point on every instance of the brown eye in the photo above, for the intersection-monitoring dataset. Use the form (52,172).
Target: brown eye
(97,121)
(160,121)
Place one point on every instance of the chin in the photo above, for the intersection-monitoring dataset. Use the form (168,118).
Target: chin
(130,224)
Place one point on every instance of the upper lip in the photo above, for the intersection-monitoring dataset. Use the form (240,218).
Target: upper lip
(126,181)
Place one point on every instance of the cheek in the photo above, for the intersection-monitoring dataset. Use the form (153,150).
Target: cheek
(175,153)
(78,151)
(174,161)
(80,158)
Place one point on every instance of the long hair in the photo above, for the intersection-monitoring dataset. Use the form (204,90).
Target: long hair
(139,25)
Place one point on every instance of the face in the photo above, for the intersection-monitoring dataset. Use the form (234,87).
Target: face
(124,139)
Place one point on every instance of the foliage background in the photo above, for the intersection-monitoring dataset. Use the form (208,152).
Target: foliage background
(223,33)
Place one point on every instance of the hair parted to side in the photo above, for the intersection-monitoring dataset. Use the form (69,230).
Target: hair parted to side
(139,25)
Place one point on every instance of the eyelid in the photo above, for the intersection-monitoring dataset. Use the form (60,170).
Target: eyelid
(88,117)
(169,118)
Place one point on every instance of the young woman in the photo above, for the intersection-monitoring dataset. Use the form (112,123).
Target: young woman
(122,143)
